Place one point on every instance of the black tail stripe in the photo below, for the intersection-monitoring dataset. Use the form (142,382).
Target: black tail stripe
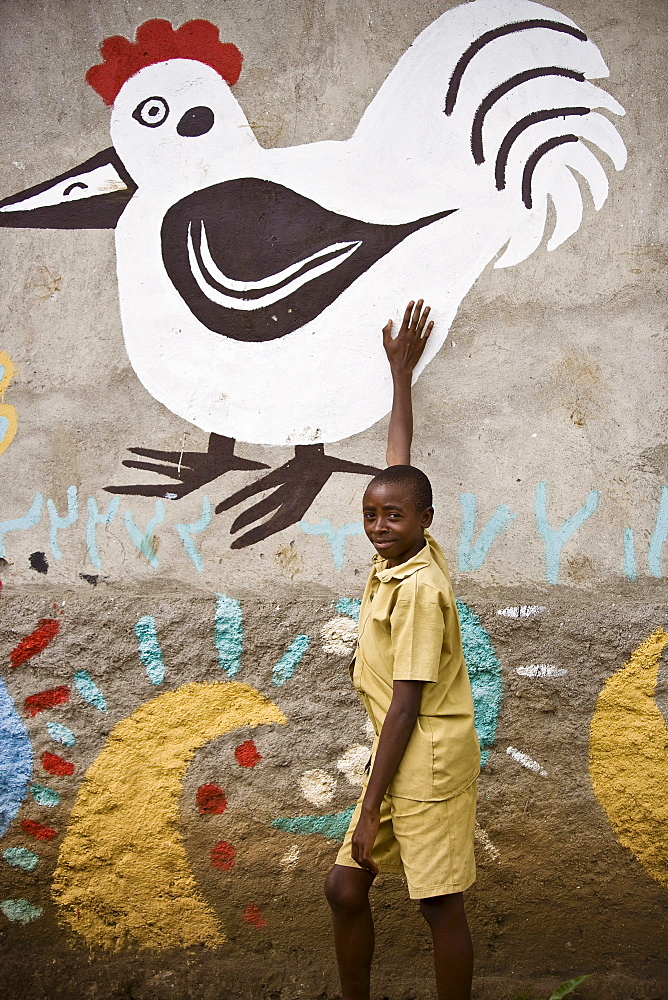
(517,129)
(490,36)
(527,176)
(504,88)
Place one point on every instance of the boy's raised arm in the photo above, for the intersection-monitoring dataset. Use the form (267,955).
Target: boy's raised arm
(403,352)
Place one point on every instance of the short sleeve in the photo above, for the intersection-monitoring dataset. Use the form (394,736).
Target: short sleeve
(416,630)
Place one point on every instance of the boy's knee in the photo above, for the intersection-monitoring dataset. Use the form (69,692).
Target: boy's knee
(346,888)
(436,908)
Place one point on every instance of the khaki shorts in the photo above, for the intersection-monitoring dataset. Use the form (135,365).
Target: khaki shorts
(430,843)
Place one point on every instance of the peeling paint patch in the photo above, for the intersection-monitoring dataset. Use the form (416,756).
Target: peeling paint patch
(228,634)
(288,663)
(21,857)
(483,838)
(526,761)
(20,910)
(353,763)
(331,827)
(317,786)
(15,760)
(89,690)
(339,636)
(521,611)
(150,651)
(541,670)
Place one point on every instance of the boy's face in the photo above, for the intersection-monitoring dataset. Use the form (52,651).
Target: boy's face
(392,522)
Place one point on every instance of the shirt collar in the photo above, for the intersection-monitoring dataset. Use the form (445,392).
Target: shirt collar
(386,573)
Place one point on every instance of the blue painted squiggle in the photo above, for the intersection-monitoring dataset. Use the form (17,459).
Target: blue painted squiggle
(21,523)
(150,652)
(630,568)
(470,555)
(144,539)
(332,827)
(659,535)
(57,523)
(349,606)
(186,531)
(228,634)
(287,664)
(61,734)
(335,537)
(95,518)
(485,673)
(556,538)
(15,760)
(89,690)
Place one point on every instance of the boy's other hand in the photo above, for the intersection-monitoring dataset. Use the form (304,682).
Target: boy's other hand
(405,350)
(364,838)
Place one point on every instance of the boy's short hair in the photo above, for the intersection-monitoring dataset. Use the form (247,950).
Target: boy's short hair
(415,479)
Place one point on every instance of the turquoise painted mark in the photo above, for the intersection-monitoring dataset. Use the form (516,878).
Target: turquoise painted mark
(61,734)
(57,523)
(29,520)
(228,634)
(95,518)
(286,666)
(15,760)
(556,538)
(485,673)
(659,535)
(186,531)
(89,690)
(332,827)
(143,540)
(349,606)
(44,796)
(20,910)
(630,568)
(335,537)
(21,857)
(471,555)
(150,652)
(4,423)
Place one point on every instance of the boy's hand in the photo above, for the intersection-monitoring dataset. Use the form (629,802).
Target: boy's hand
(405,350)
(364,838)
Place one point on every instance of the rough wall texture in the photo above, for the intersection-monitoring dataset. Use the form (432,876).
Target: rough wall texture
(179,743)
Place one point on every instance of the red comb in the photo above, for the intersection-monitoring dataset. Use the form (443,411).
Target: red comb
(156,41)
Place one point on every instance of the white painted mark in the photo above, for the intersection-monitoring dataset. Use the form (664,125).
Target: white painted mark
(368,728)
(339,635)
(483,838)
(317,786)
(353,762)
(526,761)
(541,670)
(521,611)
(290,858)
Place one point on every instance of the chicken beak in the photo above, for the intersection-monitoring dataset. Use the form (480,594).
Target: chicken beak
(90,196)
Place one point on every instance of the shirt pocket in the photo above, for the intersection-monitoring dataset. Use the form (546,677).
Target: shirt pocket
(414,778)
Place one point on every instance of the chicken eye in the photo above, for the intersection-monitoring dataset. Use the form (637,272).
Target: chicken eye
(151,112)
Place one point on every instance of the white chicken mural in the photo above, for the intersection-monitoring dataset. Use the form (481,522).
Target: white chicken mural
(253,282)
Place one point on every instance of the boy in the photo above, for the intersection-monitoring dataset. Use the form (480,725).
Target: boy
(416,815)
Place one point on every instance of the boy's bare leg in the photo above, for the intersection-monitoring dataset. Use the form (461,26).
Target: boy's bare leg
(453,949)
(347,892)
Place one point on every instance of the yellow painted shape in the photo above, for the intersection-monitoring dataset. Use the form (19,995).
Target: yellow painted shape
(122,878)
(8,370)
(628,757)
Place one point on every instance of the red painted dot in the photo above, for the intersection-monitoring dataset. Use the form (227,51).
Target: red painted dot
(211,800)
(247,754)
(222,856)
(37,830)
(35,703)
(253,915)
(54,764)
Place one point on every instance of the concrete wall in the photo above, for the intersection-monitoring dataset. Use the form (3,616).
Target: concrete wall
(179,741)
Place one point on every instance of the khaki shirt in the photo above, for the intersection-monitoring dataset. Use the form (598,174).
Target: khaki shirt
(409,630)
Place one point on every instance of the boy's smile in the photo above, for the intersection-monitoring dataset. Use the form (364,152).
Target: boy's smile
(392,522)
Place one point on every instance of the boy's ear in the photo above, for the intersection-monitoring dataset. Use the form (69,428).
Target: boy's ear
(427,517)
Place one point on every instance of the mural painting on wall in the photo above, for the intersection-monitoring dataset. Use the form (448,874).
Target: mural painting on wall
(252,282)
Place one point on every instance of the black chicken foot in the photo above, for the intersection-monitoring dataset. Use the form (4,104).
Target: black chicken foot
(190,469)
(296,485)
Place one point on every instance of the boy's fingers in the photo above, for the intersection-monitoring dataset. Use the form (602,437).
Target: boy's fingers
(387,330)
(423,319)
(407,314)
(430,327)
(416,314)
